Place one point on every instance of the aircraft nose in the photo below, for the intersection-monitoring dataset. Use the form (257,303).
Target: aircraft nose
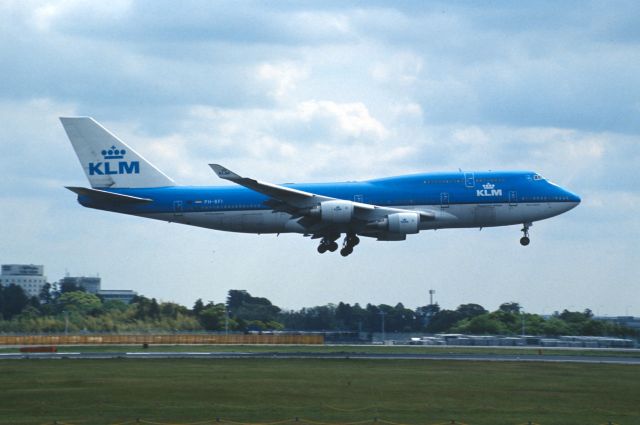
(574,200)
(573,197)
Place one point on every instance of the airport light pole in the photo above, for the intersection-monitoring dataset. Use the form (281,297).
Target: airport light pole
(66,322)
(382,314)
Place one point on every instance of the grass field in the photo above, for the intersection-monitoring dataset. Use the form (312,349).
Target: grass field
(329,391)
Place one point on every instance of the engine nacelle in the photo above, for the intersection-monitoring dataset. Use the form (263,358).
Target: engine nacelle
(400,223)
(338,211)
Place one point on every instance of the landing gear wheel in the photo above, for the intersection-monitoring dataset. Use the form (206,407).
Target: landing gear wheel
(327,244)
(524,240)
(349,242)
(346,251)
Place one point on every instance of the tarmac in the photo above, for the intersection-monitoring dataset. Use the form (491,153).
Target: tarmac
(346,355)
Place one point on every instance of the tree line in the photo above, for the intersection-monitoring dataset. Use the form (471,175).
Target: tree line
(69,308)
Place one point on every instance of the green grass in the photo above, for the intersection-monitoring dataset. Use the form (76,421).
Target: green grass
(406,349)
(330,391)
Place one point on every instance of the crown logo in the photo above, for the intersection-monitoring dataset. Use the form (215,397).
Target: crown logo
(488,186)
(113,153)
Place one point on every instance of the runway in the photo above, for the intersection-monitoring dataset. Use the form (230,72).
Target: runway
(345,355)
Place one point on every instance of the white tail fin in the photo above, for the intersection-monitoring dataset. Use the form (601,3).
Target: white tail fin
(107,161)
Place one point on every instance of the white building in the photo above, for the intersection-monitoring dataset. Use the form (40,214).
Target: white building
(29,277)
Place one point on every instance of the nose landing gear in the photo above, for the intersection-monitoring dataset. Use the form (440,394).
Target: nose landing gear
(524,240)
(350,241)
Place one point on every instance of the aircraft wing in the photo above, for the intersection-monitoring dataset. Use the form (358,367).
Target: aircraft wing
(295,200)
(294,197)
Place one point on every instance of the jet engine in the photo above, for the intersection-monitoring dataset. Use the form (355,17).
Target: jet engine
(338,211)
(400,223)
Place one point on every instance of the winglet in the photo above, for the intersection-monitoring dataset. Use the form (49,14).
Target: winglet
(224,173)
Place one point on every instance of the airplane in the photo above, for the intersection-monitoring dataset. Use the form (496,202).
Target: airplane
(387,209)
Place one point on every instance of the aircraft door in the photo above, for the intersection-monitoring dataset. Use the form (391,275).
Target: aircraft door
(469,180)
(513,198)
(177,208)
(444,200)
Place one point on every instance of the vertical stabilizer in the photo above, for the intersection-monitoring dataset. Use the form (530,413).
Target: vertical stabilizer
(107,161)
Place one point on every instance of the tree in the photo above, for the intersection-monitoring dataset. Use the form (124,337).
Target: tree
(172,310)
(212,317)
(485,324)
(237,297)
(46,295)
(428,310)
(81,302)
(344,316)
(510,307)
(400,319)
(425,313)
(12,301)
(555,327)
(242,306)
(154,309)
(198,306)
(471,310)
(443,321)
(114,305)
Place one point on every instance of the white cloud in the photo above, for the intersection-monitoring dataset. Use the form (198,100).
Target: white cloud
(283,77)
(349,119)
(319,92)
(49,13)
(401,68)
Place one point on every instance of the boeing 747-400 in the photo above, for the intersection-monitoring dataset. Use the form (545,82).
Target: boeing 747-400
(387,209)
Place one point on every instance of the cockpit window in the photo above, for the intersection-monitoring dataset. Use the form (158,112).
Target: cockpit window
(538,177)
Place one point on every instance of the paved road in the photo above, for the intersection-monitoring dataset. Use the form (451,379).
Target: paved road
(303,355)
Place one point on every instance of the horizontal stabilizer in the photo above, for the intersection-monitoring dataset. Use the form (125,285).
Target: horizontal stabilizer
(104,196)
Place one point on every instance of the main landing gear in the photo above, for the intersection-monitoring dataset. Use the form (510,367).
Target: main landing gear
(330,244)
(350,241)
(327,245)
(524,240)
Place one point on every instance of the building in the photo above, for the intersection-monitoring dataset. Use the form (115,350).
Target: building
(89,284)
(628,321)
(124,295)
(29,277)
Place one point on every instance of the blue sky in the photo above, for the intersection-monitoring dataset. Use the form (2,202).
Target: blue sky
(330,91)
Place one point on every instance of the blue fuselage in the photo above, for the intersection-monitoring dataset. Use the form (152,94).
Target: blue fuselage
(478,199)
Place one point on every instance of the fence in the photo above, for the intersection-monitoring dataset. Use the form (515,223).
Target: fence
(172,339)
(218,421)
